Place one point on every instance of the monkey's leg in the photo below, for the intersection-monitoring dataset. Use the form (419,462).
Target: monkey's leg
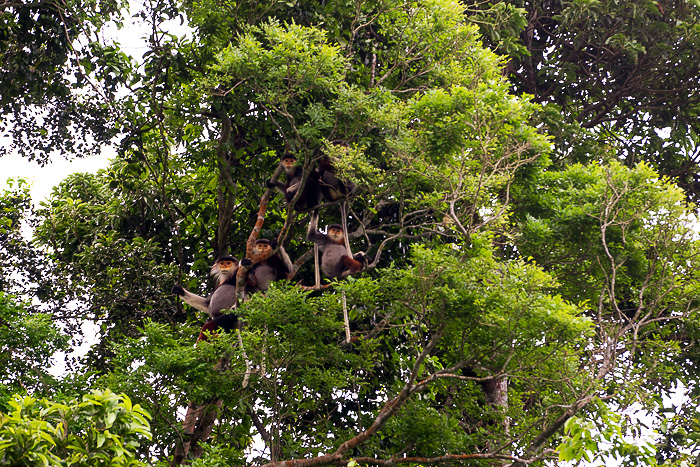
(317,271)
(352,264)
(346,318)
(208,328)
(344,219)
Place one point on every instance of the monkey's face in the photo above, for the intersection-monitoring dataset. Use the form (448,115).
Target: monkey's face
(262,248)
(225,266)
(288,164)
(335,234)
(261,252)
(224,269)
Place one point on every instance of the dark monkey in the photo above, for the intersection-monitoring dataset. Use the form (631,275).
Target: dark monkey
(267,267)
(310,195)
(335,261)
(331,186)
(222,299)
(228,322)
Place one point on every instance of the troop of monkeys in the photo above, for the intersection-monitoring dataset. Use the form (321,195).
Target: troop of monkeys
(265,266)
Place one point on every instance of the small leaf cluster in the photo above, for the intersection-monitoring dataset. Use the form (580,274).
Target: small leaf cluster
(101,429)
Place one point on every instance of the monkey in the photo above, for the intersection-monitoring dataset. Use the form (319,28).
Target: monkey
(228,322)
(334,189)
(223,298)
(224,295)
(331,186)
(310,195)
(335,262)
(267,267)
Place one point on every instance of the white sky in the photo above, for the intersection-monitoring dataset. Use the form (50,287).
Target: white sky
(43,179)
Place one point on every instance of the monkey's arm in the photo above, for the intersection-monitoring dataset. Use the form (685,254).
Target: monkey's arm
(281,187)
(285,260)
(195,301)
(313,235)
(293,186)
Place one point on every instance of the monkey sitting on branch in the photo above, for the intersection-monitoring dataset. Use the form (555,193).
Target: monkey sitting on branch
(335,261)
(222,299)
(332,188)
(311,193)
(266,266)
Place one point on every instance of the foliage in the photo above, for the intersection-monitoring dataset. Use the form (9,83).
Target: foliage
(581,442)
(331,391)
(162,370)
(531,274)
(54,87)
(21,264)
(617,78)
(101,429)
(90,230)
(29,341)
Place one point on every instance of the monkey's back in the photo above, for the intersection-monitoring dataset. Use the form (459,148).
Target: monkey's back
(223,298)
(310,195)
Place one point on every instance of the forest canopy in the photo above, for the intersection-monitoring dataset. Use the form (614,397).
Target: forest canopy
(517,184)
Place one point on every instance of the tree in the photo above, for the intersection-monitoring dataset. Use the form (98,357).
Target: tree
(19,262)
(58,79)
(612,75)
(28,343)
(625,258)
(512,301)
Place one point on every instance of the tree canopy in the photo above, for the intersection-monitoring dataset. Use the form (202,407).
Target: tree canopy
(610,74)
(524,195)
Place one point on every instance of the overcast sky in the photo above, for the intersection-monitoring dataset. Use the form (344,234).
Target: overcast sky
(43,179)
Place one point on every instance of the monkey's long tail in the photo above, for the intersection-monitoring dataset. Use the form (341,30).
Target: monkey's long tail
(248,369)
